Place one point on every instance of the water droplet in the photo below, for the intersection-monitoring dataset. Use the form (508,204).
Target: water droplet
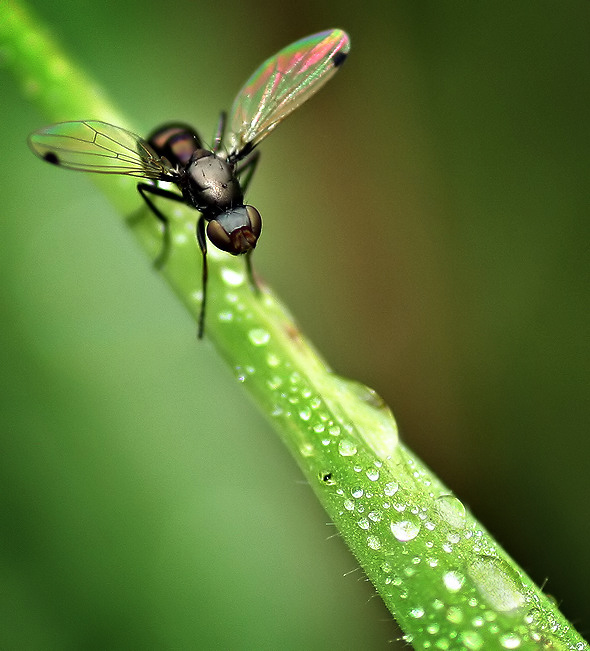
(319,428)
(455,615)
(232,277)
(497,583)
(230,297)
(451,510)
(390,488)
(371,416)
(357,492)
(346,448)
(274,382)
(373,474)
(375,516)
(348,505)
(305,414)
(405,530)
(363,523)
(471,640)
(510,641)
(307,450)
(386,567)
(417,612)
(258,336)
(272,360)
(373,542)
(453,581)
(225,316)
(334,430)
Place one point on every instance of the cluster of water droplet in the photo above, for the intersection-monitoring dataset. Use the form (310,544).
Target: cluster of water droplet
(411,523)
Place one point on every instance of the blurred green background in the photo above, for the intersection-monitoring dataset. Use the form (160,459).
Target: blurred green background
(426,220)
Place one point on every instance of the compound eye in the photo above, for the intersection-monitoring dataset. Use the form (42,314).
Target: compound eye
(255,220)
(219,237)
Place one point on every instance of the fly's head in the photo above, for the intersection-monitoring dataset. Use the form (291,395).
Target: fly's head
(236,231)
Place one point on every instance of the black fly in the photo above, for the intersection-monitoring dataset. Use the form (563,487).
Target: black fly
(212,181)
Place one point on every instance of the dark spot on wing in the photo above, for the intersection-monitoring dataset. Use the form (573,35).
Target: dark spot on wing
(339,58)
(51,157)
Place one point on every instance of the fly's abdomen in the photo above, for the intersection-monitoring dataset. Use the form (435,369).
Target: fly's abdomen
(176,142)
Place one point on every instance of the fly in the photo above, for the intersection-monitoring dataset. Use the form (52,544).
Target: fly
(210,180)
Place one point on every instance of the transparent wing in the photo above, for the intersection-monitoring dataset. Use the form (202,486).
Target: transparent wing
(92,146)
(281,84)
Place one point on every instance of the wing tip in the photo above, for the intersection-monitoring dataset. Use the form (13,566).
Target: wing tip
(342,48)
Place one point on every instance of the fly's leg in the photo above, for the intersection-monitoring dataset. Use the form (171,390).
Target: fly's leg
(247,169)
(219,133)
(145,189)
(249,272)
(202,240)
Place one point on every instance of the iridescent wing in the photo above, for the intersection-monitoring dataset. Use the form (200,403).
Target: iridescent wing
(281,84)
(92,146)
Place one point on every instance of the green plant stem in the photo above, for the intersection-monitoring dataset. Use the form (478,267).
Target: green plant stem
(443,577)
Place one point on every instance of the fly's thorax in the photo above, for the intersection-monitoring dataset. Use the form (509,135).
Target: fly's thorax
(211,183)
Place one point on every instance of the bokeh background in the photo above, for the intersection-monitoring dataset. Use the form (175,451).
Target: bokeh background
(426,220)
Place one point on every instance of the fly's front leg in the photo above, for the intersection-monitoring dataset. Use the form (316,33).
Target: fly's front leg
(202,240)
(145,189)
(219,133)
(246,169)
(250,273)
